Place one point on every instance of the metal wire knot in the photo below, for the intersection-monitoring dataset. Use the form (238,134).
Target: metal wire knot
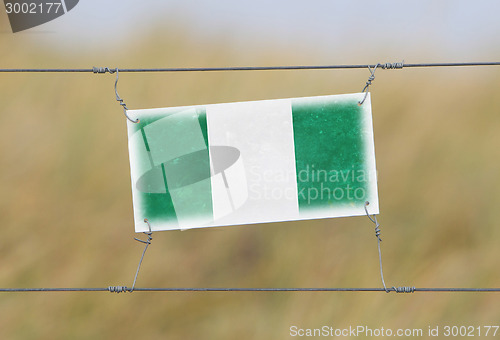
(148,233)
(385,66)
(368,83)
(117,289)
(103,70)
(404,289)
(374,220)
(392,66)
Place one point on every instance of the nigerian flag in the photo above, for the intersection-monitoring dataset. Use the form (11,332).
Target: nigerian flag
(252,162)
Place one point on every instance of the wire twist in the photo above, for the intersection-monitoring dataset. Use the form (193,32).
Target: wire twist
(392,66)
(371,78)
(374,220)
(104,70)
(117,289)
(368,83)
(404,289)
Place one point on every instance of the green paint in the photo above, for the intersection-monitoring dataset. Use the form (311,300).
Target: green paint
(146,144)
(202,118)
(157,207)
(178,189)
(156,202)
(164,177)
(149,119)
(329,153)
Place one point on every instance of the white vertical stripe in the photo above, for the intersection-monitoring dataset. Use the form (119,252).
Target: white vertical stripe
(236,182)
(221,205)
(262,132)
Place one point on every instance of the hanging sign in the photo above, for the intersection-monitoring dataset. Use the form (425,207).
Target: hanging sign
(252,162)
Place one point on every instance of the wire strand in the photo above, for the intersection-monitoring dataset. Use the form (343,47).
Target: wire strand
(246,68)
(173,289)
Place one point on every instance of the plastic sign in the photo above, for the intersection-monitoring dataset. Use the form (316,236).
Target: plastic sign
(252,162)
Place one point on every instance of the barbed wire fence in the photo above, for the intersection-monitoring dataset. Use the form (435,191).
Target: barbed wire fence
(370,67)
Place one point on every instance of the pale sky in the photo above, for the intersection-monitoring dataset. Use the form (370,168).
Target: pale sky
(455,30)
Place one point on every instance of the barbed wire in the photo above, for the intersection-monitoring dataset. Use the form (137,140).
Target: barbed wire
(398,65)
(120,289)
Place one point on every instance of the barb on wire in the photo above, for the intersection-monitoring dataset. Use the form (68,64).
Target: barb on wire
(103,70)
(392,66)
(117,289)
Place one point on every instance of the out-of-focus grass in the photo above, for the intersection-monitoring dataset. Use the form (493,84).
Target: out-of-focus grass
(66,211)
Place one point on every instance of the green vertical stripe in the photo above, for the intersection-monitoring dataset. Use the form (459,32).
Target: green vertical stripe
(177,188)
(188,177)
(156,205)
(329,153)
(202,118)
(145,140)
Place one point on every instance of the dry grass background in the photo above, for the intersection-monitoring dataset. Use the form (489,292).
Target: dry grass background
(66,211)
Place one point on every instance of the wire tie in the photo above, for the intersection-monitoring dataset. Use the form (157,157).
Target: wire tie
(102,70)
(121,289)
(404,289)
(392,66)
(118,289)
(147,243)
(368,83)
(371,78)
(373,218)
(120,100)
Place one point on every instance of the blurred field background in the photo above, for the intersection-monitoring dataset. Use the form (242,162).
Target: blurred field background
(66,209)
